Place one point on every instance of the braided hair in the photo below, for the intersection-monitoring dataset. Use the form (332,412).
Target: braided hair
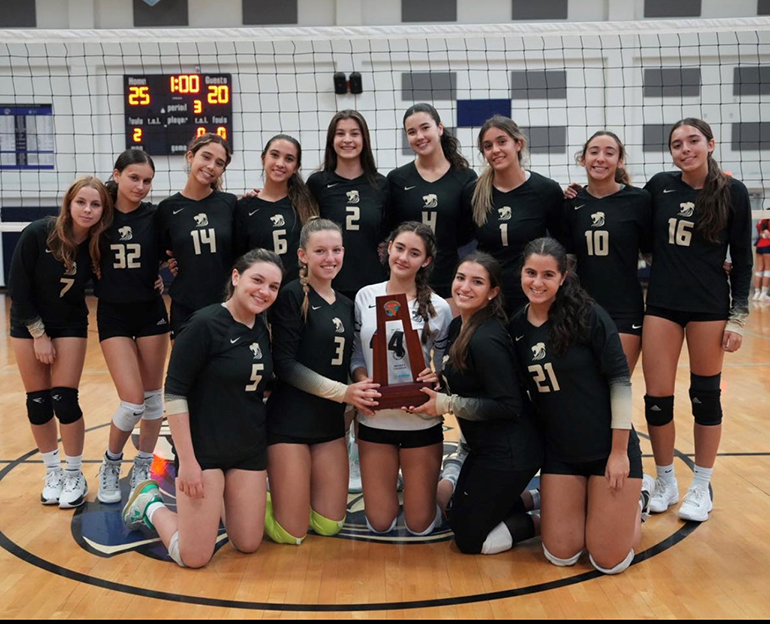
(314,224)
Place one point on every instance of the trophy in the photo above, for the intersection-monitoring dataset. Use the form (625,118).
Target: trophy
(398,357)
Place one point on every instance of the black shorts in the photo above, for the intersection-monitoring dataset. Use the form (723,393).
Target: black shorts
(256,462)
(596,468)
(629,324)
(131,320)
(19,330)
(179,315)
(763,250)
(683,318)
(279,438)
(402,439)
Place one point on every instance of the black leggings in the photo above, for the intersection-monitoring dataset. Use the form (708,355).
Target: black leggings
(485,497)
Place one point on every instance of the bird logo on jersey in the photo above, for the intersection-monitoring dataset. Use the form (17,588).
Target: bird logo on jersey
(126,234)
(72,270)
(201,220)
(431,201)
(505,213)
(353,197)
(538,351)
(686,209)
(254,346)
(277,220)
(338,326)
(597,219)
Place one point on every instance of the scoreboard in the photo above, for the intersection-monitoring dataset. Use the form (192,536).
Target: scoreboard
(164,112)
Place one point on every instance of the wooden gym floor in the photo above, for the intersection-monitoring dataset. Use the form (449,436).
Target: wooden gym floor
(65,564)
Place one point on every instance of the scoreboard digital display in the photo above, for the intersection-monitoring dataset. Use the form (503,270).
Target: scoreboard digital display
(164,112)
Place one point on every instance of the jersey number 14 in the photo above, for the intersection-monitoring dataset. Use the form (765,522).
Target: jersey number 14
(204,237)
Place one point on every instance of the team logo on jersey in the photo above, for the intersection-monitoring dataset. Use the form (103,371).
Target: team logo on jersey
(431,201)
(338,326)
(597,219)
(73,270)
(686,209)
(254,346)
(277,220)
(538,351)
(505,213)
(126,234)
(201,220)
(353,197)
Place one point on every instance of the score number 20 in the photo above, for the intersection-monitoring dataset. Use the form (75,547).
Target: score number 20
(218,94)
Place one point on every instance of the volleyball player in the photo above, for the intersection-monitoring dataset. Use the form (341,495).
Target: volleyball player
(482,389)
(274,218)
(132,320)
(511,205)
(579,381)
(312,327)
(216,378)
(392,438)
(699,214)
(52,263)
(435,190)
(606,226)
(762,276)
(196,225)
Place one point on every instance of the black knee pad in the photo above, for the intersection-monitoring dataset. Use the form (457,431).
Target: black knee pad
(706,398)
(39,407)
(65,405)
(658,411)
(521,526)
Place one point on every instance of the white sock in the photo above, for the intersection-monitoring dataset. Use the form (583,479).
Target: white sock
(112,456)
(51,460)
(702,476)
(152,508)
(765,289)
(73,464)
(143,455)
(666,473)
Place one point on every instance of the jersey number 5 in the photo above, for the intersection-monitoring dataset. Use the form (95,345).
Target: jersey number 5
(256,377)
(204,237)
(544,376)
(127,256)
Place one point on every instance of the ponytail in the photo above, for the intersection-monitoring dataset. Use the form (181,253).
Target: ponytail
(450,146)
(313,225)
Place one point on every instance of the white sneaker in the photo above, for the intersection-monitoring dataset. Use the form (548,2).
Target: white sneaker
(54,483)
(135,512)
(74,492)
(645,498)
(697,504)
(764,298)
(140,472)
(757,295)
(109,481)
(666,494)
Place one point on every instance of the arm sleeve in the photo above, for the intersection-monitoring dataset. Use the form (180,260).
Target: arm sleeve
(466,228)
(288,327)
(21,276)
(240,235)
(358,360)
(164,235)
(555,214)
(391,217)
(645,234)
(189,356)
(385,223)
(741,254)
(567,225)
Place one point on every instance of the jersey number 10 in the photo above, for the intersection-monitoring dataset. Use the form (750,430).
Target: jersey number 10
(598,242)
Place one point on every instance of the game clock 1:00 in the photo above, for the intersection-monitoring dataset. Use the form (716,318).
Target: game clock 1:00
(164,112)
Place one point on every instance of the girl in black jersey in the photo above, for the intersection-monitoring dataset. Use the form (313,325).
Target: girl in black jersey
(606,226)
(312,328)
(219,367)
(578,379)
(511,205)
(699,215)
(274,218)
(434,190)
(132,320)
(482,389)
(351,192)
(196,226)
(52,263)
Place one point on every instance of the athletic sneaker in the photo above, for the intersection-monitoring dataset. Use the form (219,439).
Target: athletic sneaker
(645,498)
(54,483)
(697,504)
(74,492)
(140,471)
(109,481)
(666,494)
(135,511)
(757,295)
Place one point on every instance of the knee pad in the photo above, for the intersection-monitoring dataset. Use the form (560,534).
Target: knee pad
(275,531)
(127,416)
(153,404)
(499,540)
(436,522)
(621,567)
(706,398)
(658,411)
(173,550)
(562,563)
(65,405)
(324,526)
(767,273)
(39,407)
(375,531)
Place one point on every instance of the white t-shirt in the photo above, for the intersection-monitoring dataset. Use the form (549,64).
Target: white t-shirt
(366,325)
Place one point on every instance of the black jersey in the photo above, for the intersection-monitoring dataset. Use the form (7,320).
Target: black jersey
(359,207)
(200,234)
(687,271)
(41,287)
(221,367)
(571,392)
(269,225)
(606,235)
(491,407)
(305,352)
(444,205)
(518,217)
(130,257)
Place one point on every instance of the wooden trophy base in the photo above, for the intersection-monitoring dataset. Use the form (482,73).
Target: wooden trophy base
(402,395)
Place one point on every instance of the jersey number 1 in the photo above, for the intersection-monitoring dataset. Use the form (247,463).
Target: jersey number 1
(204,237)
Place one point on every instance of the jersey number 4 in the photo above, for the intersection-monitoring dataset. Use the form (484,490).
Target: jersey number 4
(544,377)
(127,256)
(204,237)
(256,377)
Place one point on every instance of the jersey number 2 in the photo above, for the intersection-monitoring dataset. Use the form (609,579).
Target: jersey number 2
(354,215)
(543,376)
